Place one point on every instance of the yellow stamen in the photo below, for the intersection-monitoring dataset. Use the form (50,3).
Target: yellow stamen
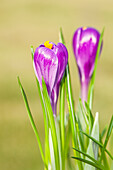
(48,45)
(84,28)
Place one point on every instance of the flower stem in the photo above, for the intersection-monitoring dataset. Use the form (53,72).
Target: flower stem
(84,91)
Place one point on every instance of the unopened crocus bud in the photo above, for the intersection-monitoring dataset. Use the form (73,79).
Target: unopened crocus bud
(85,44)
(49,62)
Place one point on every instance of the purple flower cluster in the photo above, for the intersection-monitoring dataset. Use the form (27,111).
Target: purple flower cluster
(49,62)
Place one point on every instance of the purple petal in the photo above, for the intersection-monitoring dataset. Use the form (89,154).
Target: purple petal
(46,65)
(62,56)
(85,43)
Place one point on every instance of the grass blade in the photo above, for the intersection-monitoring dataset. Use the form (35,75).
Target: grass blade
(105,161)
(61,37)
(62,118)
(83,113)
(93,148)
(32,52)
(103,132)
(31,120)
(94,160)
(89,163)
(71,104)
(91,87)
(51,123)
(97,142)
(47,152)
(74,124)
(69,92)
(107,137)
(91,118)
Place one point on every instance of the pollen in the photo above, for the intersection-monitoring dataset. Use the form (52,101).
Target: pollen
(84,28)
(48,45)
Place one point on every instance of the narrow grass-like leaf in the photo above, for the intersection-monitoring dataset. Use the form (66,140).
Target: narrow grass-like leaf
(89,163)
(69,92)
(31,120)
(61,158)
(74,124)
(103,132)
(91,118)
(70,165)
(47,152)
(107,137)
(91,88)
(105,161)
(81,136)
(71,105)
(93,148)
(62,104)
(52,124)
(67,140)
(111,168)
(32,52)
(62,119)
(87,155)
(61,37)
(97,142)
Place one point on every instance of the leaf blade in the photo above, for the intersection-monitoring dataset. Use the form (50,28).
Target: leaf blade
(47,152)
(107,137)
(94,140)
(89,163)
(51,123)
(91,87)
(31,120)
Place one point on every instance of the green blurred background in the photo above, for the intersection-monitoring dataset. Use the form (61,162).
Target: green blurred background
(31,22)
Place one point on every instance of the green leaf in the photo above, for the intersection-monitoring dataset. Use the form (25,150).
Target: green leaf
(97,142)
(69,94)
(70,104)
(85,154)
(62,118)
(61,37)
(52,155)
(52,124)
(67,140)
(32,52)
(111,168)
(103,132)
(92,149)
(91,87)
(32,121)
(107,137)
(74,124)
(84,114)
(90,116)
(61,156)
(81,137)
(105,161)
(47,151)
(89,163)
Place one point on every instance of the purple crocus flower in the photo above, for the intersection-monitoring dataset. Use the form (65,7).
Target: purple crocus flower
(50,61)
(85,44)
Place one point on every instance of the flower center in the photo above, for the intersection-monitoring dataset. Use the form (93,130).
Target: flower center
(84,28)
(48,45)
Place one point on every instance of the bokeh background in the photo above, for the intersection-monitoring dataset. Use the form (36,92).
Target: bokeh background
(31,22)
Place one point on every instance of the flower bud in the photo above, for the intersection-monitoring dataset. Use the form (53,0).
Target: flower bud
(85,44)
(49,62)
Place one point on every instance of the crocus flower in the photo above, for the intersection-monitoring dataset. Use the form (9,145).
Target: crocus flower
(49,62)
(85,44)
